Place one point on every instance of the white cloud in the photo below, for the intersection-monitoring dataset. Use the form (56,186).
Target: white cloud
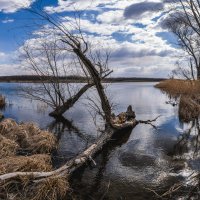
(136,51)
(97,5)
(10,6)
(7,21)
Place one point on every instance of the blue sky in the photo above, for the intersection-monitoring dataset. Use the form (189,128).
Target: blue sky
(131,29)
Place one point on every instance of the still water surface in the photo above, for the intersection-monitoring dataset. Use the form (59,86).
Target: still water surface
(126,169)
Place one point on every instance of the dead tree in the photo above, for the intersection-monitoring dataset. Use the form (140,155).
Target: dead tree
(49,60)
(74,42)
(49,64)
(184,22)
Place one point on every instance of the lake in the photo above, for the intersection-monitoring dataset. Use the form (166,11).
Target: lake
(145,159)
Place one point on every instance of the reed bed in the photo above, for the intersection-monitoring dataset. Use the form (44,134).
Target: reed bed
(178,87)
(27,137)
(2,101)
(188,93)
(189,108)
(54,188)
(7,147)
(34,163)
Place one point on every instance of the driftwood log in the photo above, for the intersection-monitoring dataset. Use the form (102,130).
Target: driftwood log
(82,158)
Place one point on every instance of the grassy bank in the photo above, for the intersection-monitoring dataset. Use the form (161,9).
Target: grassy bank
(187,93)
(179,87)
(26,148)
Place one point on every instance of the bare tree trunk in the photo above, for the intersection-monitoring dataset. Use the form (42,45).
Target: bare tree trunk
(70,102)
(97,81)
(198,73)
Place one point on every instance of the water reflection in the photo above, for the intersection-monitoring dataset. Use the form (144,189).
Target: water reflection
(141,159)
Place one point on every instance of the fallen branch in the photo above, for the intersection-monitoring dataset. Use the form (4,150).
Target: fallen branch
(149,122)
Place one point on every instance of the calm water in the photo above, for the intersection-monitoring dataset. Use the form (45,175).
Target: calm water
(146,158)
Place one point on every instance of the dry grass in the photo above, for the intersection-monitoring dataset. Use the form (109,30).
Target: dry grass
(28,136)
(54,188)
(177,87)
(2,101)
(189,94)
(189,108)
(51,189)
(11,130)
(7,147)
(43,142)
(39,143)
(39,162)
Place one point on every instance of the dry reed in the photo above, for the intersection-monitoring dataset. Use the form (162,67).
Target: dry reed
(43,142)
(7,147)
(2,101)
(53,188)
(28,136)
(11,130)
(189,108)
(189,94)
(179,87)
(23,137)
(39,162)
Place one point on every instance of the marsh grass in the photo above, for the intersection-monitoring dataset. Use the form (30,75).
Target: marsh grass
(51,189)
(188,93)
(34,163)
(27,137)
(2,101)
(189,108)
(7,147)
(176,87)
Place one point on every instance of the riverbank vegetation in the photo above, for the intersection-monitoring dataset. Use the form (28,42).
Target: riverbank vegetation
(186,93)
(177,87)
(25,148)
(2,101)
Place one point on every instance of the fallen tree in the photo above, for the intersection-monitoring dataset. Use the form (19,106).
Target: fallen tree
(82,158)
(124,121)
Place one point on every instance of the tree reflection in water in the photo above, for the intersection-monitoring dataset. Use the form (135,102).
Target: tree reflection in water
(187,150)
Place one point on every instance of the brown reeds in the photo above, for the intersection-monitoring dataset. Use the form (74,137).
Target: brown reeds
(189,108)
(179,87)
(34,163)
(43,142)
(2,101)
(27,137)
(188,93)
(51,189)
(7,147)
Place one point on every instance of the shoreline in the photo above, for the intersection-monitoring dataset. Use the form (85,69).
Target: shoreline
(32,79)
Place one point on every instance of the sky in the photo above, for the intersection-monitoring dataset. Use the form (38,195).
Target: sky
(131,29)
